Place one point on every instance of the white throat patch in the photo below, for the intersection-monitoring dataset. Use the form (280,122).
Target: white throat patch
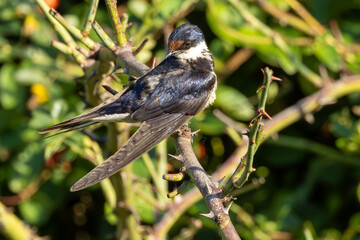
(194,52)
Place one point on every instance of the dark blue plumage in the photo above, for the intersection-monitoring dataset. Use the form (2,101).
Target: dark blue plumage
(163,99)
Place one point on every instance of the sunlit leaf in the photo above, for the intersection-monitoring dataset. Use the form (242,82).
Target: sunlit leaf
(240,107)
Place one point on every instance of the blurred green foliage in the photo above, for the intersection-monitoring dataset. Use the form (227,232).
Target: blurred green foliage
(312,171)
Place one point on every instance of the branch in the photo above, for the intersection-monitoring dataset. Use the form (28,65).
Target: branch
(209,189)
(12,227)
(256,135)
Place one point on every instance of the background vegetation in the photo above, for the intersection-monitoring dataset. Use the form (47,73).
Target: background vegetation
(307,181)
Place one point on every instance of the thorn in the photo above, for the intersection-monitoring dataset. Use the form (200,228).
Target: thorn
(264,113)
(120,71)
(195,133)
(227,209)
(246,133)
(220,181)
(208,188)
(262,87)
(256,116)
(109,89)
(275,79)
(309,118)
(179,158)
(210,215)
(182,169)
(253,169)
(142,45)
(132,78)
(262,70)
(115,77)
(153,63)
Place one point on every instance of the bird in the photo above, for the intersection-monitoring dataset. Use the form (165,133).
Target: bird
(163,99)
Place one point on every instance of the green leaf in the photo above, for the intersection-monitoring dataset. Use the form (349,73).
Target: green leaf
(221,49)
(26,166)
(8,87)
(325,50)
(139,168)
(143,208)
(273,56)
(138,8)
(207,123)
(38,209)
(233,103)
(30,76)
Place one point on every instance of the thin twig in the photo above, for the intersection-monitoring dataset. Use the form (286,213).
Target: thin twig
(118,26)
(103,36)
(73,30)
(90,17)
(244,169)
(279,41)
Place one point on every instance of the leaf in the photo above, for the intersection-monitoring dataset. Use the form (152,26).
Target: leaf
(221,49)
(233,103)
(273,56)
(38,209)
(30,76)
(326,51)
(138,8)
(8,87)
(208,124)
(143,208)
(26,166)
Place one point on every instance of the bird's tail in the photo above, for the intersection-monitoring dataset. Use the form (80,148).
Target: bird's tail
(144,139)
(69,125)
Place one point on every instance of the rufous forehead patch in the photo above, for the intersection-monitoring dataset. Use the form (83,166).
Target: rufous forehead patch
(174,45)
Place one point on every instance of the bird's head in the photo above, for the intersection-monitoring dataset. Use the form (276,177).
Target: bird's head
(187,42)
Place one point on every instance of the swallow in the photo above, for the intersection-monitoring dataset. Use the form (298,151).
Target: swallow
(164,99)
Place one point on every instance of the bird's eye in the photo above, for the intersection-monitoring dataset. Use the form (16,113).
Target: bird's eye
(186,45)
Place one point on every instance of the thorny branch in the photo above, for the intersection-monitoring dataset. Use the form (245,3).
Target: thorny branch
(209,189)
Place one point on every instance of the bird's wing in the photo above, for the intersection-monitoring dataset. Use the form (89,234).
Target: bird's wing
(162,116)
(144,139)
(186,93)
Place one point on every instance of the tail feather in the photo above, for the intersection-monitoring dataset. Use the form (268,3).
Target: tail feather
(144,139)
(69,125)
(84,119)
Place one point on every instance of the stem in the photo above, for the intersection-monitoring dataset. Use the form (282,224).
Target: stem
(103,36)
(118,26)
(302,12)
(287,18)
(11,227)
(278,41)
(161,150)
(154,175)
(73,30)
(64,34)
(90,17)
(245,168)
